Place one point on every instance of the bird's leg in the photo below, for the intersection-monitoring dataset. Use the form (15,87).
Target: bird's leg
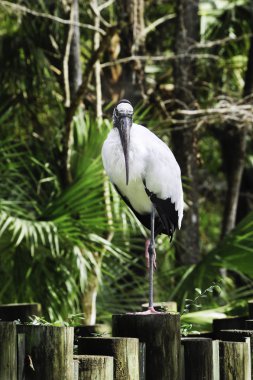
(150,248)
(147,244)
(151,251)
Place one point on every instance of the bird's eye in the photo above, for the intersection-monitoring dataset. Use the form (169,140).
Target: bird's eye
(116,112)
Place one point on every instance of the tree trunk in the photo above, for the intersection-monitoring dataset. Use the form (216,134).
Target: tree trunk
(72,77)
(234,151)
(245,202)
(185,140)
(233,143)
(89,298)
(73,80)
(75,68)
(96,42)
(132,42)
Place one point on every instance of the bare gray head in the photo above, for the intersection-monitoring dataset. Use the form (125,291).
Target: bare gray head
(123,120)
(123,109)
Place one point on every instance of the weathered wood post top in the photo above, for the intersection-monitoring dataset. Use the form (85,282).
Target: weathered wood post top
(161,333)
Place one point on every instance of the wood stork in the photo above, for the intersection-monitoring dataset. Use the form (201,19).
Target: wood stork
(146,174)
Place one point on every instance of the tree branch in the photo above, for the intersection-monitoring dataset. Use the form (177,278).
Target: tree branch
(105,5)
(81,92)
(23,9)
(66,60)
(97,64)
(152,26)
(219,42)
(158,58)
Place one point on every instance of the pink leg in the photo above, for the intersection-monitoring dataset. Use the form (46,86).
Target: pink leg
(150,310)
(150,268)
(147,243)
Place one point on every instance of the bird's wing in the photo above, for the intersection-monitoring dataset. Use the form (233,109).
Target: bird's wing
(144,219)
(163,180)
(169,219)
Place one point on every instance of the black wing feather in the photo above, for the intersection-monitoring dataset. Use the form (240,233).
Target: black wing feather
(167,220)
(167,212)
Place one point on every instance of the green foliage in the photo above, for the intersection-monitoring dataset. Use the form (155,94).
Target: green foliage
(72,320)
(195,303)
(234,253)
(48,236)
(53,237)
(186,329)
(237,248)
(231,26)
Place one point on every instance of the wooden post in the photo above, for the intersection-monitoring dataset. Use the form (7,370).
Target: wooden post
(235,360)
(21,311)
(198,358)
(161,333)
(21,355)
(124,350)
(235,335)
(216,360)
(250,308)
(228,323)
(91,331)
(97,330)
(48,352)
(238,336)
(249,324)
(142,360)
(8,351)
(76,368)
(162,306)
(94,367)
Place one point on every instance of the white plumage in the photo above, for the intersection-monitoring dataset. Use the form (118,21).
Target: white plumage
(147,176)
(150,160)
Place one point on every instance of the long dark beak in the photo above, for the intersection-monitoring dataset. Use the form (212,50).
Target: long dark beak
(124,132)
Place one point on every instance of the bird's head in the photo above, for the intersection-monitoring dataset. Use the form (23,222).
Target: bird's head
(123,110)
(123,120)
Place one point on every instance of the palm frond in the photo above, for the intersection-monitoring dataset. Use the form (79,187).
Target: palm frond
(234,253)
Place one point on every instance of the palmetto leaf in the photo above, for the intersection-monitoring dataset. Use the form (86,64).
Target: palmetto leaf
(41,224)
(234,253)
(34,233)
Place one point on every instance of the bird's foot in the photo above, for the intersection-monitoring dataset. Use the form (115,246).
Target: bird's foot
(150,311)
(147,245)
